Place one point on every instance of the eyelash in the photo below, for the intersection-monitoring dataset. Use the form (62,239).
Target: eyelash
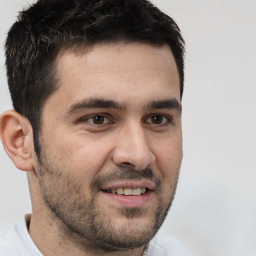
(87,118)
(168,119)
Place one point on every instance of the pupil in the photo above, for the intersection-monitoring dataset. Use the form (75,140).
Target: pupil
(157,119)
(98,119)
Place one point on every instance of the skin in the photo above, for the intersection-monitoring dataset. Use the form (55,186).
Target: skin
(86,149)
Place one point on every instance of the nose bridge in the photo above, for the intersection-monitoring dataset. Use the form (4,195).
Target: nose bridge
(133,146)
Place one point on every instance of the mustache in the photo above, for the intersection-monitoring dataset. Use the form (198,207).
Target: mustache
(127,173)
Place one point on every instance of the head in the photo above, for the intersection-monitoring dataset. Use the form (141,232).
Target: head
(100,82)
(51,27)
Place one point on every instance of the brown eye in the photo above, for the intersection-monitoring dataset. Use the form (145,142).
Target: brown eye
(157,119)
(98,119)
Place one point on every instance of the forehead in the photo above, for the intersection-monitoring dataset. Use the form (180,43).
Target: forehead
(124,72)
(136,55)
(119,57)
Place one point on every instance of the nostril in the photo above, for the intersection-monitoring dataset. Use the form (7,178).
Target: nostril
(126,164)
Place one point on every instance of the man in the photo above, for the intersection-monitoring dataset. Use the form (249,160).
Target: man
(96,87)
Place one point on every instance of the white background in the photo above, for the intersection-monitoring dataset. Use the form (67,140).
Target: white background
(214,212)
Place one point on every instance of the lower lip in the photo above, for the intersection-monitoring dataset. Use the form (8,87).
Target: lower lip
(130,201)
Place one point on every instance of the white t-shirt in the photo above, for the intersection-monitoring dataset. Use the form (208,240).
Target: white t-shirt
(17,242)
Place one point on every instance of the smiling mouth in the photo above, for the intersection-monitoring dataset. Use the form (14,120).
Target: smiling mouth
(127,191)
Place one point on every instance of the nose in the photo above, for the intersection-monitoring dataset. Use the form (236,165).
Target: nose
(133,149)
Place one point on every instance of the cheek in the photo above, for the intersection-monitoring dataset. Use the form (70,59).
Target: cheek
(82,154)
(169,165)
(169,157)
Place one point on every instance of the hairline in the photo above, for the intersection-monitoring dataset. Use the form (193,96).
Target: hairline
(79,49)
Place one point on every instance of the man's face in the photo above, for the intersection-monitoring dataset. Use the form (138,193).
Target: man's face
(111,144)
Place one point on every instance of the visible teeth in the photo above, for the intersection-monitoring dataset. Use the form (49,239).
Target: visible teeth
(113,191)
(128,191)
(136,192)
(143,191)
(120,191)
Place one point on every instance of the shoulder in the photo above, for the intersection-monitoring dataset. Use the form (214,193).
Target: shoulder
(17,241)
(165,245)
(6,247)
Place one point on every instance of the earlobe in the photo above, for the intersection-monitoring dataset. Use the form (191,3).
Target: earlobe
(17,138)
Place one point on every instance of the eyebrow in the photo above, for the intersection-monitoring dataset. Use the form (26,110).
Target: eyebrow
(166,104)
(105,103)
(95,103)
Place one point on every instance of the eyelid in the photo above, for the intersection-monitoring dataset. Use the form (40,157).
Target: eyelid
(168,117)
(86,118)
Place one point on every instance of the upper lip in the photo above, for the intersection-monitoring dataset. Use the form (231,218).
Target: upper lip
(130,184)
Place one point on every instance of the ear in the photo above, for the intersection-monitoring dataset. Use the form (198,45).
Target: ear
(17,138)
